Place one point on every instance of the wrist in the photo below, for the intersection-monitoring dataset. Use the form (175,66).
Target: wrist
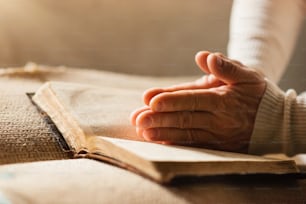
(268,127)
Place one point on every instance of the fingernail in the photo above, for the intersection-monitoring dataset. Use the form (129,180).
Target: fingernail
(219,62)
(147,122)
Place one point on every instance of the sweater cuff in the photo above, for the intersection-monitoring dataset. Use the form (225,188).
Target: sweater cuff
(266,136)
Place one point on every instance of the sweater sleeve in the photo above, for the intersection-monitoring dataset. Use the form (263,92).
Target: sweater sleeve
(280,125)
(263,34)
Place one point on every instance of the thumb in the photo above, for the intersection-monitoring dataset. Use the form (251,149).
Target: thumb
(201,60)
(229,71)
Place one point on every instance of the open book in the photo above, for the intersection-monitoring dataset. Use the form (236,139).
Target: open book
(94,121)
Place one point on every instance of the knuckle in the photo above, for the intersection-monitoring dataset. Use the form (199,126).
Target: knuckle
(195,102)
(231,68)
(185,119)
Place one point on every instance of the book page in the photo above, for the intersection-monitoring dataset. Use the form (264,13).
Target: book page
(163,153)
(98,110)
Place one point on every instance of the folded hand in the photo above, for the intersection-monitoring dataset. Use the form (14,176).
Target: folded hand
(217,111)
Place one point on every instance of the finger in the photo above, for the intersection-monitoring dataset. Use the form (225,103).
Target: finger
(181,119)
(201,60)
(181,136)
(136,112)
(205,82)
(188,100)
(230,72)
(140,131)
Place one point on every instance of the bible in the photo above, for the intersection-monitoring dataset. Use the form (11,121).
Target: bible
(94,122)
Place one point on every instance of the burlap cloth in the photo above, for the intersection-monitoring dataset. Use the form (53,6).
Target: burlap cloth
(25,136)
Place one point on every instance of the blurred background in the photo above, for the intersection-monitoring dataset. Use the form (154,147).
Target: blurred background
(155,37)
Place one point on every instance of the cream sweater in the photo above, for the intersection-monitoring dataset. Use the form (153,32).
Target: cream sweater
(262,35)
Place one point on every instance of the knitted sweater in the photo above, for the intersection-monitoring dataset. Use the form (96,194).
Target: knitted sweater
(262,36)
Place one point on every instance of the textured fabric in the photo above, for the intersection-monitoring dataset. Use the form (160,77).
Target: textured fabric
(263,33)
(24,135)
(87,181)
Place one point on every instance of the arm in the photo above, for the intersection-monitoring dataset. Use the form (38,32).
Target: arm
(263,34)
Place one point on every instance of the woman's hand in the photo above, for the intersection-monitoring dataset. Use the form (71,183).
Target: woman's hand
(217,111)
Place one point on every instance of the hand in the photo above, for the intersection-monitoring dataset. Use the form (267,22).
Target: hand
(218,111)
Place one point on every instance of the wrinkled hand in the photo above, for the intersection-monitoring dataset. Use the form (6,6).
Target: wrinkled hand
(217,111)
